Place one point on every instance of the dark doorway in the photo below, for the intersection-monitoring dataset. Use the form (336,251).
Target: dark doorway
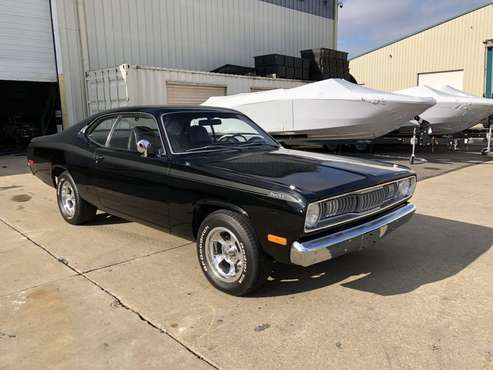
(27,109)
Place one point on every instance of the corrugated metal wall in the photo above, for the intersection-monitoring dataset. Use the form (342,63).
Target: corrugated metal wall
(72,79)
(186,34)
(197,34)
(454,45)
(316,7)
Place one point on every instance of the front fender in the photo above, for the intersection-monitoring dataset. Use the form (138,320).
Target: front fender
(220,204)
(203,207)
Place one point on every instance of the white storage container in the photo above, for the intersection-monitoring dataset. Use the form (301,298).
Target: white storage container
(126,85)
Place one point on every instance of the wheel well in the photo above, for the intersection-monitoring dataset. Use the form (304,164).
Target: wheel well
(55,172)
(201,211)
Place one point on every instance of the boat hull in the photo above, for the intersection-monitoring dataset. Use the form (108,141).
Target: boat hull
(327,110)
(453,113)
(340,120)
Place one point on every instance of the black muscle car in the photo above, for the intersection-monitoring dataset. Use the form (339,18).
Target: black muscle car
(247,200)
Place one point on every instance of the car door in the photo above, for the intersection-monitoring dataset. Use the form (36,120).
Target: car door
(128,182)
(82,161)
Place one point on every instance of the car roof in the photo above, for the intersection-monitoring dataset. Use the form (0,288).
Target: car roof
(161,109)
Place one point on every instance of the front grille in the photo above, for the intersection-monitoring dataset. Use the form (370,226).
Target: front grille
(359,202)
(376,198)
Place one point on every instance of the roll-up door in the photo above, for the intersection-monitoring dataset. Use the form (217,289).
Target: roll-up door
(192,94)
(438,79)
(26,41)
(260,89)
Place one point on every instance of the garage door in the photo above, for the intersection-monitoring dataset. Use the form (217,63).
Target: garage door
(192,94)
(26,41)
(437,79)
(260,89)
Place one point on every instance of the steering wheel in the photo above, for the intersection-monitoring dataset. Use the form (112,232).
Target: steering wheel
(256,139)
(232,138)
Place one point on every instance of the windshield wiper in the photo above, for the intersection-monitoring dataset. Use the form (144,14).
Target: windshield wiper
(211,147)
(259,144)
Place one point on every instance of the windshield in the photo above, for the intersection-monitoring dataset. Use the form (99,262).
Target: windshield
(196,131)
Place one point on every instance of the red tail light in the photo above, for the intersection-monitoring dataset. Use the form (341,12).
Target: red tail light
(30,163)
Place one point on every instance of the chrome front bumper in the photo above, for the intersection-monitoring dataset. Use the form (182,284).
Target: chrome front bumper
(359,237)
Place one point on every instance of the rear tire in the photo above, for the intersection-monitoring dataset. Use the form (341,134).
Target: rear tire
(73,208)
(229,253)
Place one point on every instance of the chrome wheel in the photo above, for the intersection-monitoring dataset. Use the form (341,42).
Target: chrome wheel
(67,199)
(224,254)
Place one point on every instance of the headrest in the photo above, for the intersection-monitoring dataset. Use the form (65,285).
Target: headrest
(199,136)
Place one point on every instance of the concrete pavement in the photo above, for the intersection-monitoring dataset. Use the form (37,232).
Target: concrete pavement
(118,294)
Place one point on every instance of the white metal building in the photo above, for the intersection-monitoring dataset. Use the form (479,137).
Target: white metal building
(69,41)
(457,52)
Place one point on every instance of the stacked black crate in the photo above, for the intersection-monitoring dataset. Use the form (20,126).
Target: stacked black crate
(301,69)
(271,64)
(305,69)
(289,67)
(281,66)
(326,63)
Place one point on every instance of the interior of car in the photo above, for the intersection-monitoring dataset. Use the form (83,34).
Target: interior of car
(188,132)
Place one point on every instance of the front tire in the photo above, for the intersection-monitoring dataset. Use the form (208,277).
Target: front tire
(229,254)
(73,208)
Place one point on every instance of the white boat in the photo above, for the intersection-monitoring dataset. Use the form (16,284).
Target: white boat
(487,104)
(454,112)
(332,109)
(453,91)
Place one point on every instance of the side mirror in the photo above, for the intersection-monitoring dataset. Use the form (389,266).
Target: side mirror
(143,147)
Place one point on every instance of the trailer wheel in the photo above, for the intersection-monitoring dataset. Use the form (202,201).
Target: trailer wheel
(361,147)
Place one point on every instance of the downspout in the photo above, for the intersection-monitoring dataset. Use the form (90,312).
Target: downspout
(81,18)
(336,21)
(58,60)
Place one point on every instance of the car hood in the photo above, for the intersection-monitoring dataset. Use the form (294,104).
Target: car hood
(312,175)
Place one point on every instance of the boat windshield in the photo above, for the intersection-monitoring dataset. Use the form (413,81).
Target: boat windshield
(204,131)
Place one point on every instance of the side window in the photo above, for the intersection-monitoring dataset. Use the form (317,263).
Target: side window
(129,130)
(121,134)
(100,133)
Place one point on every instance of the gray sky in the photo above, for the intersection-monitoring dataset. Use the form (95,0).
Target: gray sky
(367,24)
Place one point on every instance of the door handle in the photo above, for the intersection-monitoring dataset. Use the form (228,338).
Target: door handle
(98,157)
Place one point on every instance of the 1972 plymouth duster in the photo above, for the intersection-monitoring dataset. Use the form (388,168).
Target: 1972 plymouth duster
(247,200)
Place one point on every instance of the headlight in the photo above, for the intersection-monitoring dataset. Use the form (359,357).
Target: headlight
(407,187)
(312,216)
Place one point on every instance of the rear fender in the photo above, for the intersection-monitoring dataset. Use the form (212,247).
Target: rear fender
(56,171)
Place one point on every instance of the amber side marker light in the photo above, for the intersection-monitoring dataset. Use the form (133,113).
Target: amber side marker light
(277,239)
